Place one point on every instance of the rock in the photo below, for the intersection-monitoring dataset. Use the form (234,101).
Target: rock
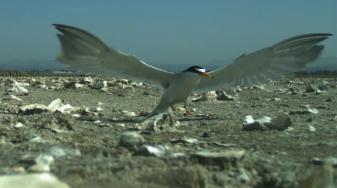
(323,86)
(61,151)
(280,122)
(37,180)
(249,123)
(100,85)
(308,110)
(17,87)
(18,125)
(98,109)
(312,110)
(128,114)
(311,128)
(38,139)
(293,91)
(223,96)
(33,109)
(57,105)
(131,140)
(261,87)
(335,118)
(76,115)
(157,151)
(66,109)
(86,80)
(100,104)
(73,85)
(219,158)
(311,88)
(40,163)
(208,96)
(243,176)
(237,89)
(179,155)
(13,97)
(184,140)
(19,90)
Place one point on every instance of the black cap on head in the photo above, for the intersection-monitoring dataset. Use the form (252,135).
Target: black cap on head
(196,69)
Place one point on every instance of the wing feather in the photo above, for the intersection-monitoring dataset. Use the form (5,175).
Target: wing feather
(282,58)
(85,52)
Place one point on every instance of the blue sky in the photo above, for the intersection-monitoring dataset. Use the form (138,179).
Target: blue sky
(190,31)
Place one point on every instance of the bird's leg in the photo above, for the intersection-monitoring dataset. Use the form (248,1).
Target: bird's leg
(173,107)
(172,118)
(187,112)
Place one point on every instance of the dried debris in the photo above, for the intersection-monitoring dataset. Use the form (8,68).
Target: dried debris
(219,95)
(219,158)
(280,122)
(307,110)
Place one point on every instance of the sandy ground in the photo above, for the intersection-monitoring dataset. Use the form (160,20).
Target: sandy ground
(206,149)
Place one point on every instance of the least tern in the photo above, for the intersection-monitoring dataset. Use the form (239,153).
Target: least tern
(84,51)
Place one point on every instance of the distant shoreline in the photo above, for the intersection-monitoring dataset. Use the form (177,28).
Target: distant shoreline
(67,73)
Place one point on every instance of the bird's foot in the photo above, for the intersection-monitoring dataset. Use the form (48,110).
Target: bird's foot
(187,112)
(144,114)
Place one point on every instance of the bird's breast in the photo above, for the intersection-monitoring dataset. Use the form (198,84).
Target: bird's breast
(182,87)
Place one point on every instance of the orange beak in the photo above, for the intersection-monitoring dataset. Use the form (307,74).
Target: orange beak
(206,75)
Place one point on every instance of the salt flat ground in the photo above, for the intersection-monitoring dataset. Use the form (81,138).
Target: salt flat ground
(93,156)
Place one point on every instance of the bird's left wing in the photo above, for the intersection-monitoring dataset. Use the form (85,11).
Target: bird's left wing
(85,52)
(285,57)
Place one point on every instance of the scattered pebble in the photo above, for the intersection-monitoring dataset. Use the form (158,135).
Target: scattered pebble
(18,125)
(184,140)
(158,150)
(223,96)
(311,128)
(100,85)
(131,140)
(61,151)
(128,114)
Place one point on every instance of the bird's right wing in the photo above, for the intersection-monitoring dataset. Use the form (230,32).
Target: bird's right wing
(272,62)
(85,52)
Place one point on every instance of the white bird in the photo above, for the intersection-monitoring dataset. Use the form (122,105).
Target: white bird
(85,52)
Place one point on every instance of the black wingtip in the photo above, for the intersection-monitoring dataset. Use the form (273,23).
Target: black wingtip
(63,27)
(59,27)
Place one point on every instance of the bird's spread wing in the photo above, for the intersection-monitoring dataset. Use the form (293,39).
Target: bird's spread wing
(85,52)
(287,56)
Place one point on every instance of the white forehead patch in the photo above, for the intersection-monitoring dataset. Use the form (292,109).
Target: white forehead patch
(201,70)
